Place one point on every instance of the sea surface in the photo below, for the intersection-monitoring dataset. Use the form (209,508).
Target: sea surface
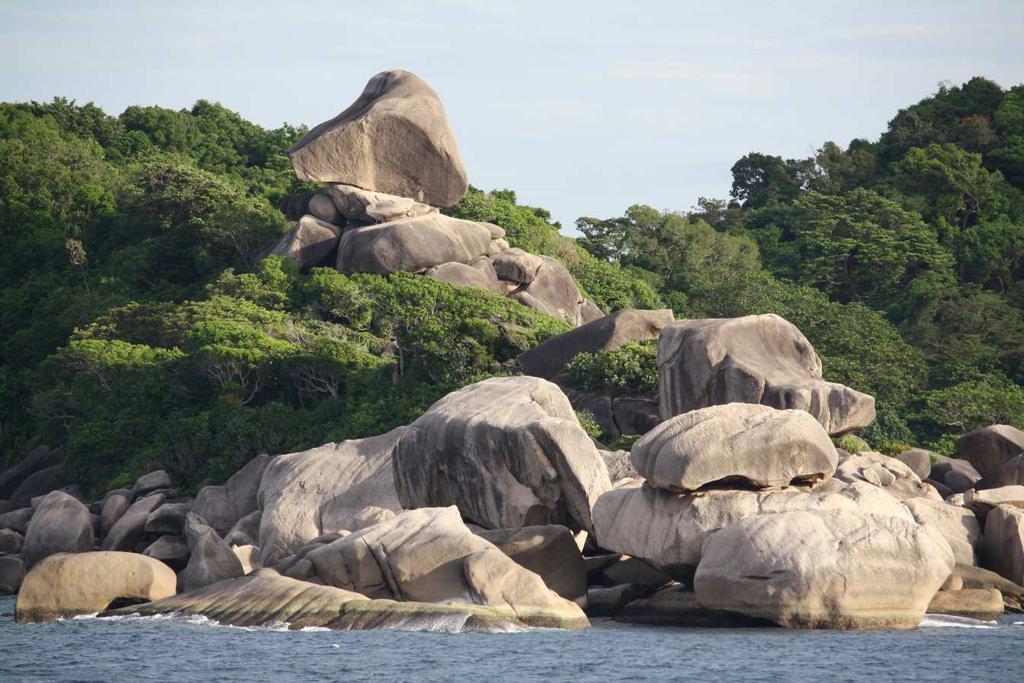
(194,649)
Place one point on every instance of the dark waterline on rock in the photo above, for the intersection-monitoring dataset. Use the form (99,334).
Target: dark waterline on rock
(172,649)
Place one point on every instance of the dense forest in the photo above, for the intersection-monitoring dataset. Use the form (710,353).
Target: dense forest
(142,329)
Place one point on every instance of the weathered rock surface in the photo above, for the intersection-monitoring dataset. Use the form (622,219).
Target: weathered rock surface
(507,451)
(957,525)
(429,555)
(12,573)
(395,138)
(321,206)
(1010,474)
(265,597)
(464,275)
(307,494)
(411,245)
(677,606)
(516,265)
(983,501)
(311,242)
(976,577)
(366,206)
(246,531)
(17,520)
(958,475)
(150,482)
(824,570)
(882,471)
(619,464)
(548,551)
(918,460)
(1002,546)
(36,484)
(65,585)
(130,529)
(210,558)
(989,448)
(223,506)
(974,603)
(169,518)
(753,359)
(10,542)
(736,442)
(605,333)
(115,504)
(668,529)
(61,524)
(172,550)
(552,291)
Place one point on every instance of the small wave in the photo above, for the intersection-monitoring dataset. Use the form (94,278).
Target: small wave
(82,617)
(950,621)
(313,629)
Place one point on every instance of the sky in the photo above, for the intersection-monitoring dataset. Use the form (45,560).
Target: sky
(583,108)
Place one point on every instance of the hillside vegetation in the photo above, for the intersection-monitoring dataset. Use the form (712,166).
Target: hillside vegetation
(141,329)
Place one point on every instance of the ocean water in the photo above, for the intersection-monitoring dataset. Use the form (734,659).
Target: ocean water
(194,649)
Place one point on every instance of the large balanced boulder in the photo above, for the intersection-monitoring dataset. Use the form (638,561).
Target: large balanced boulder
(412,245)
(395,138)
(516,265)
(265,597)
(824,570)
(553,291)
(65,585)
(429,555)
(989,448)
(604,334)
(1002,546)
(61,524)
(667,529)
(753,359)
(210,559)
(311,242)
(320,491)
(737,442)
(509,452)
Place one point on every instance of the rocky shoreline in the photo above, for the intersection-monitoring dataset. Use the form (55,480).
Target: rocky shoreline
(494,510)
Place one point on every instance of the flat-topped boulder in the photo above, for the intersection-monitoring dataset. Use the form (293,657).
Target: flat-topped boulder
(753,359)
(412,245)
(606,333)
(737,442)
(989,448)
(310,242)
(265,597)
(667,529)
(516,265)
(814,569)
(509,452)
(308,494)
(365,206)
(429,555)
(395,138)
(65,585)
(61,524)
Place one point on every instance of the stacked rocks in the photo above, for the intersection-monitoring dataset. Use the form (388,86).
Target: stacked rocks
(391,162)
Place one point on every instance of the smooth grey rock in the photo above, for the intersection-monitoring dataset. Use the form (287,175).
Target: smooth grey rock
(589,312)
(983,501)
(39,458)
(957,525)
(976,577)
(605,334)
(516,265)
(307,494)
(311,242)
(783,568)
(1002,546)
(246,531)
(10,542)
(548,551)
(959,475)
(619,465)
(61,524)
(214,506)
(169,518)
(753,359)
(635,414)
(17,519)
(508,451)
(148,483)
(114,506)
(552,291)
(395,138)
(172,550)
(12,573)
(296,206)
(676,605)
(411,245)
(210,558)
(918,460)
(737,442)
(1010,474)
(130,529)
(321,206)
(634,572)
(38,483)
(985,604)
(989,448)
(365,206)
(463,275)
(607,601)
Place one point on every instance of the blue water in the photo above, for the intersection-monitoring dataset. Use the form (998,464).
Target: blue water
(190,649)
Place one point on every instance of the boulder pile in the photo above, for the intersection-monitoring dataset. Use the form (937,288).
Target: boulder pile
(494,509)
(391,163)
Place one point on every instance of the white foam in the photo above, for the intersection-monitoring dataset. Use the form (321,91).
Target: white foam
(950,621)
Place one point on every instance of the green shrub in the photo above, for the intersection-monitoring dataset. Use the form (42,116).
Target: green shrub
(628,370)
